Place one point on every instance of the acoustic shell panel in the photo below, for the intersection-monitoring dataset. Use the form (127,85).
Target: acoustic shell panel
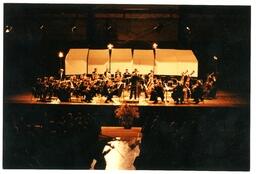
(174,62)
(143,61)
(76,61)
(98,58)
(121,58)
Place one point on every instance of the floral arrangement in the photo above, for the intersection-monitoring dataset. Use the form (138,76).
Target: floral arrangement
(126,114)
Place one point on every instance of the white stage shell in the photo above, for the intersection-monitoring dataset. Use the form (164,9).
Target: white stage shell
(174,62)
(121,58)
(143,61)
(98,58)
(76,61)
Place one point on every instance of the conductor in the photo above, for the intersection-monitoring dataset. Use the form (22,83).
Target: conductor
(134,84)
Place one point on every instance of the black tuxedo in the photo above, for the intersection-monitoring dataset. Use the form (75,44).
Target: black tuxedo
(134,84)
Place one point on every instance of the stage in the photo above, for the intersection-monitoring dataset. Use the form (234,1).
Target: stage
(223,99)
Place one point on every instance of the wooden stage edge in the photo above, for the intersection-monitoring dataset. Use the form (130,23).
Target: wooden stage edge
(224,99)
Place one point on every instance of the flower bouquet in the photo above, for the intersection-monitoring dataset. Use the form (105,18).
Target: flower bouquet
(126,114)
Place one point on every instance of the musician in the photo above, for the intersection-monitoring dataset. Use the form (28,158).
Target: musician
(44,88)
(111,90)
(96,86)
(150,82)
(178,94)
(81,86)
(183,77)
(81,77)
(134,84)
(142,86)
(185,81)
(214,85)
(158,91)
(50,89)
(151,74)
(64,92)
(118,73)
(126,77)
(87,91)
(211,86)
(118,78)
(187,91)
(75,82)
(107,74)
(126,74)
(119,86)
(108,90)
(61,72)
(37,88)
(95,74)
(135,71)
(197,93)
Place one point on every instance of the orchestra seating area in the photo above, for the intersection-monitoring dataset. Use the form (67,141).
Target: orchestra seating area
(148,87)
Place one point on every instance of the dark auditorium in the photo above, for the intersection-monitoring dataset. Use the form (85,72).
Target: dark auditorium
(126,87)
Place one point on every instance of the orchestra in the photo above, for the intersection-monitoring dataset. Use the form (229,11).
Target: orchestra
(155,89)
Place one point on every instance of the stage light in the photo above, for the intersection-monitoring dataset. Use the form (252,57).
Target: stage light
(187,28)
(110,46)
(8,29)
(74,28)
(41,27)
(109,27)
(61,54)
(157,27)
(154,45)
(215,57)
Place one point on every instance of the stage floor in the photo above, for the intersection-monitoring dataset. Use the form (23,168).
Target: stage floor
(224,99)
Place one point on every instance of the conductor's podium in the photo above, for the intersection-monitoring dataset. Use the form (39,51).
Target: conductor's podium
(113,132)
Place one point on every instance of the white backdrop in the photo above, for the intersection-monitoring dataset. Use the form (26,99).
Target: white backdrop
(167,61)
(76,61)
(143,60)
(121,58)
(174,62)
(98,58)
